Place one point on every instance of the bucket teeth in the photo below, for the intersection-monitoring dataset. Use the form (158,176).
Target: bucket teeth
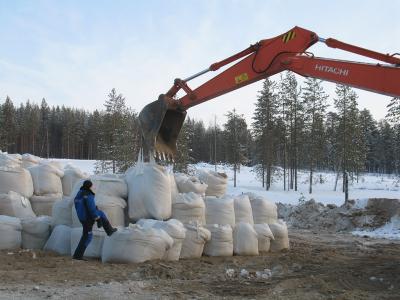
(164,155)
(160,122)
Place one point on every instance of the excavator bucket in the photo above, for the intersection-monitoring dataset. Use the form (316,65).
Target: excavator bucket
(160,124)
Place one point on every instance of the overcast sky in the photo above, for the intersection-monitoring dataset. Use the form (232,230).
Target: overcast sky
(74,52)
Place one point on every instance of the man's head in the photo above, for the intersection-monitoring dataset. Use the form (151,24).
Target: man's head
(87,184)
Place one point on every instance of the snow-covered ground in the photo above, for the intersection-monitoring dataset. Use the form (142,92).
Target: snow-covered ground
(368,186)
(87,166)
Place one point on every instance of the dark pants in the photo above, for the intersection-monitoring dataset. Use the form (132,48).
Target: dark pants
(87,233)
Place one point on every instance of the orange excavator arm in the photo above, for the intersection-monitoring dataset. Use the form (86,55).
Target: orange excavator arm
(162,120)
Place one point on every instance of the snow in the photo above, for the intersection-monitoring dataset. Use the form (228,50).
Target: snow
(390,230)
(87,166)
(368,186)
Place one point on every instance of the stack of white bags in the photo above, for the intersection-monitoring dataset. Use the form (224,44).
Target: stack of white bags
(47,187)
(159,215)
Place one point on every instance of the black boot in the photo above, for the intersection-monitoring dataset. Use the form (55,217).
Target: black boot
(108,228)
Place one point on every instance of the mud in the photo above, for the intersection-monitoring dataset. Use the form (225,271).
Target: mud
(319,265)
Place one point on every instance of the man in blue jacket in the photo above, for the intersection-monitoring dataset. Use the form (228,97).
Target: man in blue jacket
(88,213)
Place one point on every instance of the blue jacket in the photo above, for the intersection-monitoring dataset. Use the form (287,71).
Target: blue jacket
(85,206)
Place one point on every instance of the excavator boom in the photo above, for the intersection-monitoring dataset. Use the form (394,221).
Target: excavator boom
(161,120)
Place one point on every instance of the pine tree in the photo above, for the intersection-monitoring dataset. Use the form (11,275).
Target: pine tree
(93,134)
(55,132)
(32,117)
(332,156)
(115,108)
(119,138)
(393,117)
(386,147)
(314,103)
(182,159)
(393,114)
(351,144)
(236,135)
(128,140)
(263,126)
(396,129)
(44,129)
(289,94)
(2,130)
(199,144)
(9,125)
(370,134)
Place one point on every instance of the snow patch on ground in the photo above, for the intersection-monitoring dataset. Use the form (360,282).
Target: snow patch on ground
(390,230)
(361,203)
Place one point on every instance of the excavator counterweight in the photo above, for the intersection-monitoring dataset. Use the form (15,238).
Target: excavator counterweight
(162,120)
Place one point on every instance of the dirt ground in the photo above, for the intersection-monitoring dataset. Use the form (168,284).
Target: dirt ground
(318,266)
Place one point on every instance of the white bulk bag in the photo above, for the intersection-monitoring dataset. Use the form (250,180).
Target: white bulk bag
(245,240)
(17,180)
(264,210)
(189,207)
(7,160)
(46,179)
(220,211)
(15,205)
(216,182)
(10,232)
(187,184)
(16,156)
(110,184)
(95,247)
(43,205)
(265,236)
(175,230)
(195,238)
(113,207)
(174,187)
(281,236)
(243,211)
(76,189)
(61,212)
(149,188)
(29,160)
(54,163)
(71,176)
(135,244)
(59,240)
(35,232)
(221,242)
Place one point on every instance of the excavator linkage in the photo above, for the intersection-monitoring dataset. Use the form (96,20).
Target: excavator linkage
(162,120)
(160,123)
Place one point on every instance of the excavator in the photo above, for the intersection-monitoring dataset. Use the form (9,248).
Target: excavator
(162,120)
